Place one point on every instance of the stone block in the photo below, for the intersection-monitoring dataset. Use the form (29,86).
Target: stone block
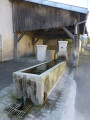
(41,52)
(62,48)
(38,86)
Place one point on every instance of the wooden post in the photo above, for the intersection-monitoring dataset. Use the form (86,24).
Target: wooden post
(33,43)
(15,45)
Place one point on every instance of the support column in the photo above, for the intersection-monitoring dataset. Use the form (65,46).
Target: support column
(33,43)
(41,52)
(15,45)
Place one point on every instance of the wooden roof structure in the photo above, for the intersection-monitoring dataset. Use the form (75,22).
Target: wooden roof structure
(43,19)
(30,16)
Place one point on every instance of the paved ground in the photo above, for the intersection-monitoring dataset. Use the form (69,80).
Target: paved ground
(7,69)
(60,105)
(82,78)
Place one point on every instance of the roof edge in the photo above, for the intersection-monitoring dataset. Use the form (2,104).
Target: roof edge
(60,5)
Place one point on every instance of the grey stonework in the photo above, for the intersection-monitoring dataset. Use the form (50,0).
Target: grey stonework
(51,107)
(37,86)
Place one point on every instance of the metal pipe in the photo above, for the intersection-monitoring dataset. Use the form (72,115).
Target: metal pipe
(76,55)
(76,31)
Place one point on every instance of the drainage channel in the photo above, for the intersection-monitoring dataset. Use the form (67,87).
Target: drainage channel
(18,109)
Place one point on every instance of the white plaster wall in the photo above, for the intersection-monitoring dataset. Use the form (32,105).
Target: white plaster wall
(6,29)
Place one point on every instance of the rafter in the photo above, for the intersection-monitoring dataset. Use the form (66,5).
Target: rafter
(68,33)
(22,34)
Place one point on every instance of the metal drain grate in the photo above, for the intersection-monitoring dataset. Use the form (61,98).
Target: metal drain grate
(15,109)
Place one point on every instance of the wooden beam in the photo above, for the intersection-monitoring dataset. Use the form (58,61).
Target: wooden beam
(33,43)
(33,40)
(36,40)
(21,36)
(68,33)
(15,46)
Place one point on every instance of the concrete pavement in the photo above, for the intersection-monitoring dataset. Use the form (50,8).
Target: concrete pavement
(7,68)
(82,78)
(59,106)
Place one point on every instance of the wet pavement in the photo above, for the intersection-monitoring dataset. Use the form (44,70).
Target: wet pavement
(7,68)
(60,104)
(82,78)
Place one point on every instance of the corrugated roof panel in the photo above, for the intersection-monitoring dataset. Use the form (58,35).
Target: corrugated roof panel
(60,5)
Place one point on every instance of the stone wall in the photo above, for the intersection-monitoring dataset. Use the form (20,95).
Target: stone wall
(25,47)
(52,44)
(51,78)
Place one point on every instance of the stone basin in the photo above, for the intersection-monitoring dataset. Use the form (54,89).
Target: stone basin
(38,80)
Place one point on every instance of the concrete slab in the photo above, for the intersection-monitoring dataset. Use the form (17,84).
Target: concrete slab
(54,109)
(82,78)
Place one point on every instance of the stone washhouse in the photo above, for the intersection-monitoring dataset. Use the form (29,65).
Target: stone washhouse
(27,23)
(37,82)
(39,28)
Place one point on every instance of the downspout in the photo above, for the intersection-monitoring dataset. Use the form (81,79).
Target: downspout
(76,56)
(76,30)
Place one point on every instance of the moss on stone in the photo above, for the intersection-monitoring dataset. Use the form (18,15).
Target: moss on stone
(29,82)
(45,96)
(20,82)
(13,98)
(35,88)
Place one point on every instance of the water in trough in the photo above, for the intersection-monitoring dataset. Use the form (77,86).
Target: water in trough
(42,68)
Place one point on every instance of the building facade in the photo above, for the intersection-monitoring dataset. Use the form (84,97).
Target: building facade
(25,24)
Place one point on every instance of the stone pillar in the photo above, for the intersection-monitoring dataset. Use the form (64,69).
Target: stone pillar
(41,52)
(62,48)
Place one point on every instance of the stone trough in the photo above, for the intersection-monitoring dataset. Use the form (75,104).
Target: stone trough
(37,82)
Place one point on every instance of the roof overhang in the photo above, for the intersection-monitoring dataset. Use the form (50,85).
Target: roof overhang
(60,5)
